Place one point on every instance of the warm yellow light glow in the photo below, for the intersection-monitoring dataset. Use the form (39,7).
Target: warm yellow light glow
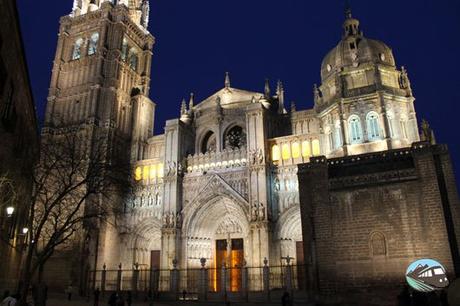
(316,147)
(306,150)
(295,148)
(276,153)
(153,172)
(286,151)
(160,170)
(145,172)
(138,174)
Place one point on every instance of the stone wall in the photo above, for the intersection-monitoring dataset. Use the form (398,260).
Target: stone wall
(367,217)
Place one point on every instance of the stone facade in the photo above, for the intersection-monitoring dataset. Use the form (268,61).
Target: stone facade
(369,216)
(224,173)
(18,141)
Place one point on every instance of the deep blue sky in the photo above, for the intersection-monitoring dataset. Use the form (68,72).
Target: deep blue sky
(197,41)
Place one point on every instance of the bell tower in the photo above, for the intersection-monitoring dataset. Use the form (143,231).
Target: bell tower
(100,86)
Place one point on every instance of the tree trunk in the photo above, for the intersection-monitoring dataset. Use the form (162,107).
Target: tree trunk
(26,277)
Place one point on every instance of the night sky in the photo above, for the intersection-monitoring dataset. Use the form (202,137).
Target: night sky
(197,41)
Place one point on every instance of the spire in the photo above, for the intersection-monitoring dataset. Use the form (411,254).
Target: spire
(267,89)
(280,94)
(293,107)
(227,80)
(191,101)
(351,25)
(145,9)
(183,108)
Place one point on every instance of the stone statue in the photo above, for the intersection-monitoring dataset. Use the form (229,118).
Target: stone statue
(277,184)
(261,214)
(260,156)
(427,133)
(404,79)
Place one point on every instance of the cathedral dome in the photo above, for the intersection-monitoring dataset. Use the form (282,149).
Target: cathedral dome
(354,50)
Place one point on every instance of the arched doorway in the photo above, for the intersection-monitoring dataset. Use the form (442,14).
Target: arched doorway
(146,244)
(217,230)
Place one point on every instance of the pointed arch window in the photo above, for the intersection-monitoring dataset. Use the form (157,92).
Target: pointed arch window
(93,41)
(356,131)
(316,147)
(403,124)
(76,54)
(133,59)
(276,154)
(373,127)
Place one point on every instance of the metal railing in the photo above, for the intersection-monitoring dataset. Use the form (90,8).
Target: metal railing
(198,283)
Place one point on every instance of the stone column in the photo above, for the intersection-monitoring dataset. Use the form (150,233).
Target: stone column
(135,280)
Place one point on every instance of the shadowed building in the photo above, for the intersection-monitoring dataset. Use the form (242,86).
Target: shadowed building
(18,143)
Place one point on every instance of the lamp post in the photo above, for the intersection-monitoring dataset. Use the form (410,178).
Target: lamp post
(9,211)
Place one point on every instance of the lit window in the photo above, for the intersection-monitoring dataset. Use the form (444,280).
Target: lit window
(76,54)
(306,150)
(133,59)
(160,170)
(373,127)
(316,147)
(146,172)
(286,151)
(295,150)
(356,132)
(92,48)
(153,172)
(138,174)
(276,153)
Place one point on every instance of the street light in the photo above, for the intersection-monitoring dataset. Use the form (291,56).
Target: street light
(25,230)
(9,211)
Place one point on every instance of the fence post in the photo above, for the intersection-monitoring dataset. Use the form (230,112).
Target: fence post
(266,279)
(154,281)
(119,278)
(244,281)
(103,279)
(203,281)
(135,280)
(174,275)
(223,281)
(288,275)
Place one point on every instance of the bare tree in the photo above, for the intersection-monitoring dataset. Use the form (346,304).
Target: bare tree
(74,184)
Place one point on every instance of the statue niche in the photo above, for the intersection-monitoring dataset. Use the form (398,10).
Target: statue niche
(235,138)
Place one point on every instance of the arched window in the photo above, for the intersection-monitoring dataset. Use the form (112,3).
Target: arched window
(356,132)
(93,41)
(209,143)
(338,135)
(403,124)
(295,149)
(146,172)
(153,172)
(378,244)
(373,127)
(133,59)
(276,154)
(124,49)
(76,54)
(316,148)
(160,171)
(286,151)
(138,174)
(306,149)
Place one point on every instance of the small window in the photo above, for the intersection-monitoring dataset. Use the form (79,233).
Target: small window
(338,136)
(316,148)
(295,148)
(352,46)
(93,41)
(76,54)
(378,244)
(306,149)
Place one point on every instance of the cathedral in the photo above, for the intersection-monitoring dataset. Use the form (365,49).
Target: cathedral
(220,185)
